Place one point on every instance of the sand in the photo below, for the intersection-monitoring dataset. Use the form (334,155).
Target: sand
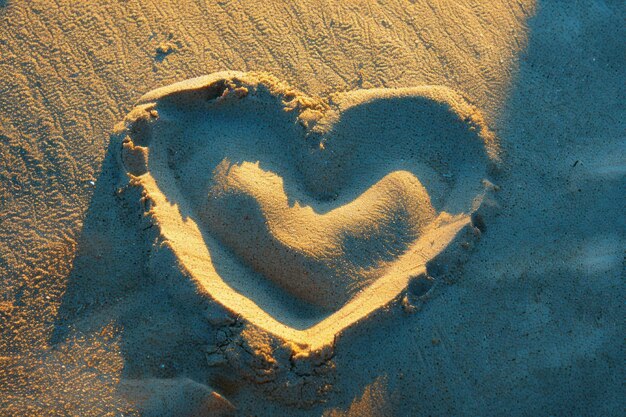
(380,120)
(244,185)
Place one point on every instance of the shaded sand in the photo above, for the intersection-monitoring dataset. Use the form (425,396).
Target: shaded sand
(175,396)
(330,200)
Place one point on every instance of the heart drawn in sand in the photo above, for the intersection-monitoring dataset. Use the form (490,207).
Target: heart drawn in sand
(305,215)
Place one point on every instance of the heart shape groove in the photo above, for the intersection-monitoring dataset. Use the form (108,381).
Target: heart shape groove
(305,215)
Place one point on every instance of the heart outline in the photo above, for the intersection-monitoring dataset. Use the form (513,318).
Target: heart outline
(195,257)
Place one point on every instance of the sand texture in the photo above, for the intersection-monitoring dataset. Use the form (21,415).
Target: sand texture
(303,193)
(337,208)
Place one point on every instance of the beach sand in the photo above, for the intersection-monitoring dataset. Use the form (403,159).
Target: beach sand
(323,208)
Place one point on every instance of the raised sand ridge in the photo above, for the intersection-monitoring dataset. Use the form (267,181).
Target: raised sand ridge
(337,202)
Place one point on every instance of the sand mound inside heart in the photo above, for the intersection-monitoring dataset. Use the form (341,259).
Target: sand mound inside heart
(274,201)
(321,258)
